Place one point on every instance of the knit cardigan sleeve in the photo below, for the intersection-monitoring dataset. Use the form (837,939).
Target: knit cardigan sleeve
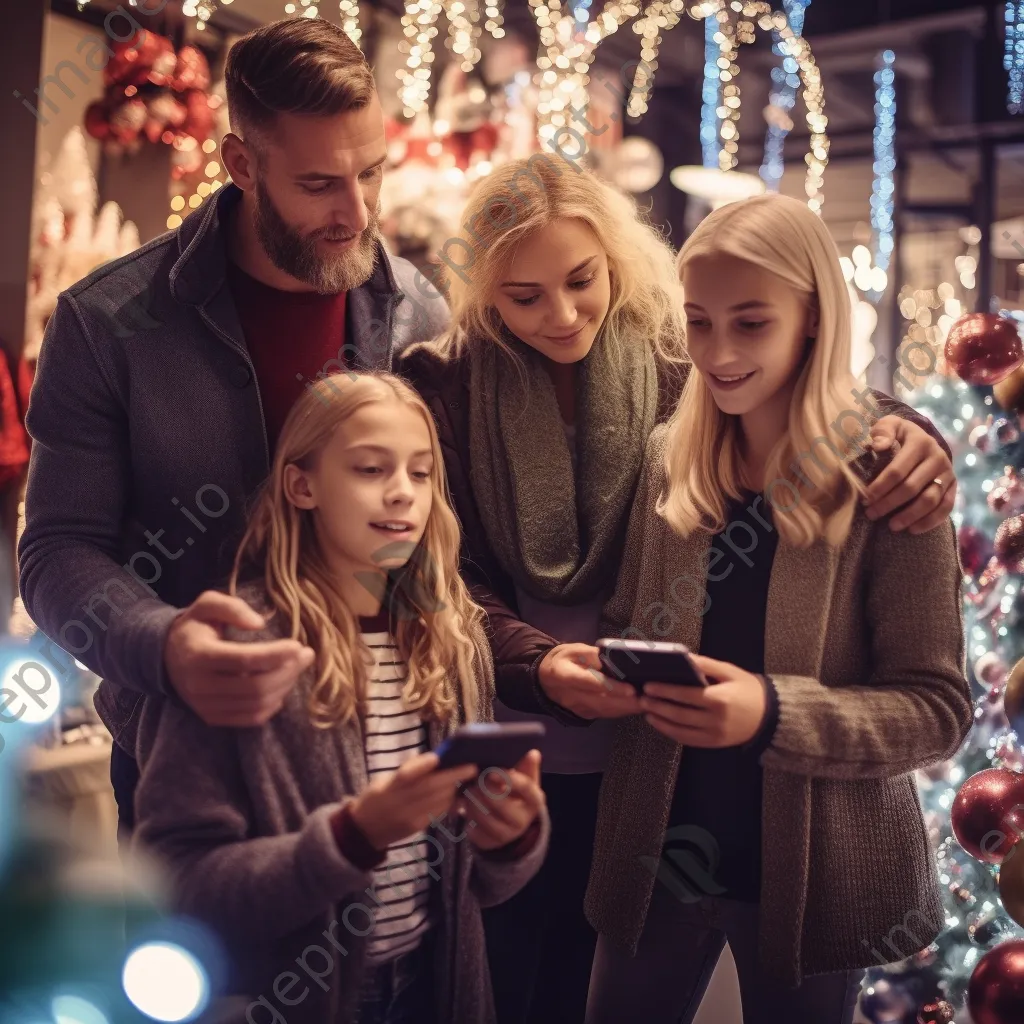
(193,812)
(914,708)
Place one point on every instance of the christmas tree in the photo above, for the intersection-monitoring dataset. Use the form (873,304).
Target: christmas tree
(974,803)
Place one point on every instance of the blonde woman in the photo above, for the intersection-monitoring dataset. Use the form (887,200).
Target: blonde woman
(565,350)
(325,847)
(833,643)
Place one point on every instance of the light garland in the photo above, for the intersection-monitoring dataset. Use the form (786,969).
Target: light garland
(310,9)
(216,176)
(731,32)
(419,25)
(709,95)
(883,187)
(464,30)
(1013,59)
(349,11)
(202,10)
(782,100)
(564,58)
(658,17)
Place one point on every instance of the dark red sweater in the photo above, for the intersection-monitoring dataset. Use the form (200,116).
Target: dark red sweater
(291,336)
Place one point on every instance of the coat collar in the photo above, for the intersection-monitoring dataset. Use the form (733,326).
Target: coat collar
(198,274)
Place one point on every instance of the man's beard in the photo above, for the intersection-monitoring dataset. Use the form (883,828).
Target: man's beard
(296,254)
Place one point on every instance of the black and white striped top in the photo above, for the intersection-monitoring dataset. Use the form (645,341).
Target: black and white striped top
(401,884)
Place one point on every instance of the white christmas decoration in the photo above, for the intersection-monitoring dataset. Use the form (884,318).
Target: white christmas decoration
(69,240)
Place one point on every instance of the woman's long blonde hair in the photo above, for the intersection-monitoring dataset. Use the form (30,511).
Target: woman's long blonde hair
(517,199)
(780,235)
(435,621)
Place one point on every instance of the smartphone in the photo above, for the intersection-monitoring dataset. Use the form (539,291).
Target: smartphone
(490,744)
(641,661)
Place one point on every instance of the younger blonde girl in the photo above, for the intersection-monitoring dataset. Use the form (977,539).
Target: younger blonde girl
(327,842)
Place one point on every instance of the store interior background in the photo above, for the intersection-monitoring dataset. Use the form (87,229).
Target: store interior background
(958,199)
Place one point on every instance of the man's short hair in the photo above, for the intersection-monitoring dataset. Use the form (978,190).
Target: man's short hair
(294,66)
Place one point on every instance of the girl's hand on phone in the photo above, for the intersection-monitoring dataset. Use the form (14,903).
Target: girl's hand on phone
(571,676)
(403,804)
(502,805)
(728,713)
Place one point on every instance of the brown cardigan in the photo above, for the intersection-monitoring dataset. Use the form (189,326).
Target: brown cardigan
(519,647)
(866,649)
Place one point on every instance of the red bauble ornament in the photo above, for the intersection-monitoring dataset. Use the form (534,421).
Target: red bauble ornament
(96,122)
(983,348)
(145,58)
(936,1013)
(192,71)
(995,994)
(199,118)
(164,111)
(975,549)
(1009,544)
(987,816)
(127,119)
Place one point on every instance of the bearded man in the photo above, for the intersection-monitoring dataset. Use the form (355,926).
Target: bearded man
(165,377)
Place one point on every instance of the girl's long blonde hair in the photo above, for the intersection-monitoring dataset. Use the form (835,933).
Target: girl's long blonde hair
(435,621)
(517,199)
(782,236)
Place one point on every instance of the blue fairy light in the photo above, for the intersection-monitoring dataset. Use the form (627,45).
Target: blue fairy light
(883,188)
(712,85)
(1013,58)
(785,83)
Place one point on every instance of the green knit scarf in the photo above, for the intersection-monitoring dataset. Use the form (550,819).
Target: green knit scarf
(555,532)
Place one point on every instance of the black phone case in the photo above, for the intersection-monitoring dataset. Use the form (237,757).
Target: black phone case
(501,751)
(638,667)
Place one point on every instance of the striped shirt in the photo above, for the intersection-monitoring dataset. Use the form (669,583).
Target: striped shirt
(401,884)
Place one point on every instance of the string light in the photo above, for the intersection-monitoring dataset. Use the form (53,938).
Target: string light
(883,187)
(1013,59)
(349,12)
(419,25)
(201,10)
(464,30)
(727,32)
(712,86)
(782,99)
(658,16)
(566,51)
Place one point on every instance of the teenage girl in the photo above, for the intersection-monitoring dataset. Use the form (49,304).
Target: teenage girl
(834,650)
(566,348)
(344,872)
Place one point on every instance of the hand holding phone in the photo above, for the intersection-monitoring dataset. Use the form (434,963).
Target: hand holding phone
(639,662)
(502,805)
(727,714)
(573,676)
(404,803)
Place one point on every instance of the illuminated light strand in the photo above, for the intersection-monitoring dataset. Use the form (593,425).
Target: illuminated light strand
(565,54)
(883,188)
(349,12)
(495,18)
(419,26)
(659,16)
(712,87)
(781,101)
(791,45)
(464,30)
(1013,57)
(201,10)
